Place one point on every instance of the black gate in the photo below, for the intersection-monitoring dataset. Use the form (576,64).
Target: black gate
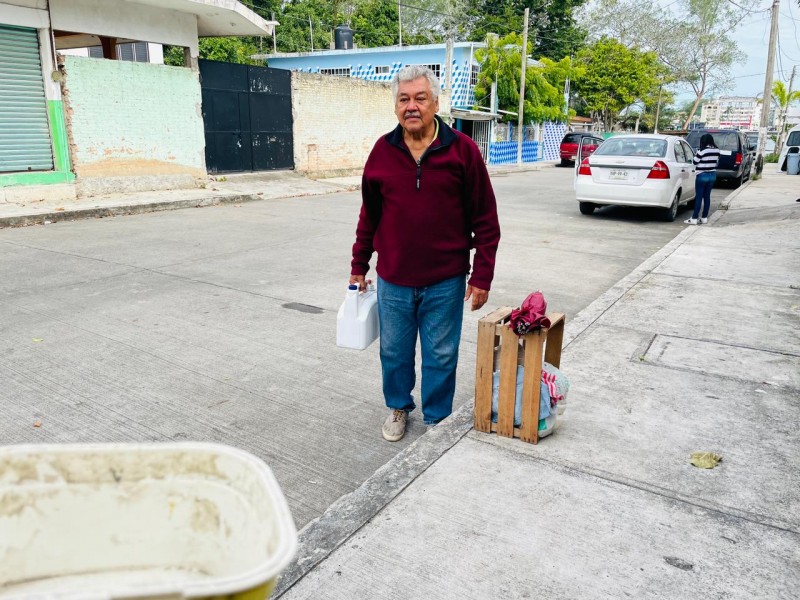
(247,113)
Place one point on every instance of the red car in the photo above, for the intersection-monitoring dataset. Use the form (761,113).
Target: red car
(569,146)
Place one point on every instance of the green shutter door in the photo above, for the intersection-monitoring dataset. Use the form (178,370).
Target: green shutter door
(24,129)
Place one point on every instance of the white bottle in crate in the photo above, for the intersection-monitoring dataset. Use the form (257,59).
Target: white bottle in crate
(357,322)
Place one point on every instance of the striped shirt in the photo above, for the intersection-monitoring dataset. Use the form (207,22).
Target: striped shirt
(707,160)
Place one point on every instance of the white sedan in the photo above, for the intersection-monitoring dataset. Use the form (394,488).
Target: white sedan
(637,170)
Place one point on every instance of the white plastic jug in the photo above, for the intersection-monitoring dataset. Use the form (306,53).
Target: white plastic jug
(357,322)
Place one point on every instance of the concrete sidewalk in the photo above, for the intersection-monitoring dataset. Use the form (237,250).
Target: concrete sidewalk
(223,189)
(698,349)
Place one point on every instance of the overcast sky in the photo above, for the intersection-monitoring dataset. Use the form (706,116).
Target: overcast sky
(753,39)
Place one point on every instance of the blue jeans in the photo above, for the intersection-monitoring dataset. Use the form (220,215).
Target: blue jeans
(434,312)
(702,193)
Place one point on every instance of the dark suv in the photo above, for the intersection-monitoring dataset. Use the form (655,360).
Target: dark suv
(569,146)
(736,158)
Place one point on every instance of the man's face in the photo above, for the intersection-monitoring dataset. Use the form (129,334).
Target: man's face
(415,106)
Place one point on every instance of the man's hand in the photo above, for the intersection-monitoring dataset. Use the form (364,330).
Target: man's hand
(479,296)
(360,280)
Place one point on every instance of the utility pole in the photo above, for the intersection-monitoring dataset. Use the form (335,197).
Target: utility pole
(658,108)
(782,119)
(311,26)
(448,75)
(399,24)
(520,119)
(767,99)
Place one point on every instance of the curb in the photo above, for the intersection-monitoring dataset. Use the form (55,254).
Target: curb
(121,210)
(319,538)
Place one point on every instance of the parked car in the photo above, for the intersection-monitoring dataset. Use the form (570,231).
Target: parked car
(736,159)
(790,146)
(752,140)
(637,170)
(569,146)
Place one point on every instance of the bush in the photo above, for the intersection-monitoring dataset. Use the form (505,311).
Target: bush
(770,158)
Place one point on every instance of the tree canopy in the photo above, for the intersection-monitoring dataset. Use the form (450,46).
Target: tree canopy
(544,85)
(697,47)
(615,77)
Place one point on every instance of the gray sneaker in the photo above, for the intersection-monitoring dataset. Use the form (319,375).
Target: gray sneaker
(394,427)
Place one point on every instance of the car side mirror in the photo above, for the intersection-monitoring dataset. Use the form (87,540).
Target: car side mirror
(753,147)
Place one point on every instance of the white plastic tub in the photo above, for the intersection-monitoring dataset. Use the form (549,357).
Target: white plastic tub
(184,520)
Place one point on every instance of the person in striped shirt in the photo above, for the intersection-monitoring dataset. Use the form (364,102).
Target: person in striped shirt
(706,161)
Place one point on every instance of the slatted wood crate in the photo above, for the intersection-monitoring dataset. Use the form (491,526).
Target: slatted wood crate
(500,348)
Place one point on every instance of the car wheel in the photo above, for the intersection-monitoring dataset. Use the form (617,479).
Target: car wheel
(587,208)
(671,212)
(566,163)
(737,183)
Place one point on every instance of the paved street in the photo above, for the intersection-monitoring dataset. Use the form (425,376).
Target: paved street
(218,324)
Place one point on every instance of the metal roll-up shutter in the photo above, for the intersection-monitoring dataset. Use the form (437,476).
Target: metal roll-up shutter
(24,130)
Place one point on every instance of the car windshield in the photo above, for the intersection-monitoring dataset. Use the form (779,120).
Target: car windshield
(571,138)
(633,147)
(724,140)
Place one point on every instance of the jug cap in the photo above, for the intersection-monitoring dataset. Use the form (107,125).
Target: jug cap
(352,286)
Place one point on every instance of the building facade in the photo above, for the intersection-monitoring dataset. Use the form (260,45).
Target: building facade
(459,106)
(102,117)
(381,64)
(732,112)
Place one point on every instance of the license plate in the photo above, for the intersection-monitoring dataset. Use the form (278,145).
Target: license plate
(617,174)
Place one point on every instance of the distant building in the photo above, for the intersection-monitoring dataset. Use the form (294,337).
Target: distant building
(733,112)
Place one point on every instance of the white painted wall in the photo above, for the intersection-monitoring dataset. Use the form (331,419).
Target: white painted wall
(24,13)
(117,18)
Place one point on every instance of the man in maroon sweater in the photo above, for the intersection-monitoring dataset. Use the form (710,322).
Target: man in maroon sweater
(427,202)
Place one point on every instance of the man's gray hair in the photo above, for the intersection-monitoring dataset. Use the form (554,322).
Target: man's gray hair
(412,72)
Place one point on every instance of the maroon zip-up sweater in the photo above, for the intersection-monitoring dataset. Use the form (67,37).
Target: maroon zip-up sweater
(424,218)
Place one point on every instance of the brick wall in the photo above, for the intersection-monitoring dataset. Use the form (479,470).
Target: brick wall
(337,120)
(131,120)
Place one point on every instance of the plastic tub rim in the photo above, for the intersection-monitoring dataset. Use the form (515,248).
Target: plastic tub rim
(248,580)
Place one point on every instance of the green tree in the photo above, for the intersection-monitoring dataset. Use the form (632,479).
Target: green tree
(697,46)
(225,49)
(544,85)
(783,100)
(614,78)
(553,29)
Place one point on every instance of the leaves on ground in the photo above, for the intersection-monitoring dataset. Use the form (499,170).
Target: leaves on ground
(705,460)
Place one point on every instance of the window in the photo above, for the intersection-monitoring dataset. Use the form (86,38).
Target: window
(383,70)
(633,147)
(679,154)
(687,150)
(437,69)
(473,75)
(337,72)
(134,51)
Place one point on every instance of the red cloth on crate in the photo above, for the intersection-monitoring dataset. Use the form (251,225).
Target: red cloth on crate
(530,315)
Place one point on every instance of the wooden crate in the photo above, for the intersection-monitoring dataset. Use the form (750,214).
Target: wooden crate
(499,346)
